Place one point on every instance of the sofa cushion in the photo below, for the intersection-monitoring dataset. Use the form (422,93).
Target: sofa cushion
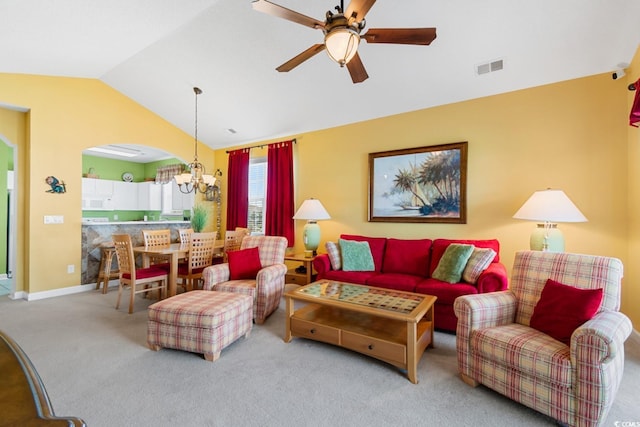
(333,251)
(357,277)
(452,263)
(478,262)
(397,281)
(440,245)
(446,292)
(376,244)
(561,309)
(356,256)
(407,257)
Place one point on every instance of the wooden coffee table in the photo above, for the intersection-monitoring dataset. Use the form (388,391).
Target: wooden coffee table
(395,327)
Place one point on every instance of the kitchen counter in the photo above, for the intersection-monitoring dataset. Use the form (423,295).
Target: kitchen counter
(96,233)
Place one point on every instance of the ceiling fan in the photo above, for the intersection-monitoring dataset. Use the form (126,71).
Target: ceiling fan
(342,34)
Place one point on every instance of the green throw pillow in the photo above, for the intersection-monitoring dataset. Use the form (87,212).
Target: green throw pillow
(356,256)
(452,263)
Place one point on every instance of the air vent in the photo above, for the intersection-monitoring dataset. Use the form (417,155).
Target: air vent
(489,67)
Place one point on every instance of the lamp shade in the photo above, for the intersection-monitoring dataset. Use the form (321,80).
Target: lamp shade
(550,206)
(312,210)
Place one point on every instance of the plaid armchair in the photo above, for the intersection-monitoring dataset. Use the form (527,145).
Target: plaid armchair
(268,286)
(574,384)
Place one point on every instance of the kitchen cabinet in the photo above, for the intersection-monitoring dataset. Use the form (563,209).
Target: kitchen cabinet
(125,196)
(97,194)
(149,196)
(174,201)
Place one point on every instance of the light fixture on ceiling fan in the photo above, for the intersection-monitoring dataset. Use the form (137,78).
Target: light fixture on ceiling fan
(342,34)
(341,38)
(196,180)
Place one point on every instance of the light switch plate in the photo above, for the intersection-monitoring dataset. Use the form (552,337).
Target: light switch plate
(54,219)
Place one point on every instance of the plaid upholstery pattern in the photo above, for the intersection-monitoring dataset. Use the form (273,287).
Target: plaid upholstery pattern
(574,384)
(333,250)
(267,288)
(199,321)
(532,269)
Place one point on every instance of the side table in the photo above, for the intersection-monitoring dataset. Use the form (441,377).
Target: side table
(300,278)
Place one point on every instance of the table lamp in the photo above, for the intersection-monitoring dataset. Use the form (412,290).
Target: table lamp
(549,206)
(313,211)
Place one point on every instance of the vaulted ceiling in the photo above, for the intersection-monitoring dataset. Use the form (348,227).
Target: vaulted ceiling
(156,51)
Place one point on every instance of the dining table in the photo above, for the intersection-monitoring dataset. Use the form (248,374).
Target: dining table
(173,252)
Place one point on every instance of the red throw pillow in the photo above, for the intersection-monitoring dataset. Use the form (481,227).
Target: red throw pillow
(244,264)
(561,309)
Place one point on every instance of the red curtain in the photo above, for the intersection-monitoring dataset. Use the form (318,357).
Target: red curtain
(280,207)
(238,189)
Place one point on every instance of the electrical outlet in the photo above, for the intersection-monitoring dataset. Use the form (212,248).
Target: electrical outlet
(71,268)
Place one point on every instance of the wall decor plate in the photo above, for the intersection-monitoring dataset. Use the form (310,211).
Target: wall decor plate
(127,177)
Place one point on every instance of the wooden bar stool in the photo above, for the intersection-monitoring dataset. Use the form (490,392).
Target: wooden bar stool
(106,271)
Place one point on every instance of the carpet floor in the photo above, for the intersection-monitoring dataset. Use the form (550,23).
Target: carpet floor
(95,365)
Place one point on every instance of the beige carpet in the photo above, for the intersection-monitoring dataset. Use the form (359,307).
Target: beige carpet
(96,366)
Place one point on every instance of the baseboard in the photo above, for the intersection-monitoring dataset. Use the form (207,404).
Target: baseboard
(34,296)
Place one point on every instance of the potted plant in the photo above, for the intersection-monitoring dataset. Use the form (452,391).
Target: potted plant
(199,218)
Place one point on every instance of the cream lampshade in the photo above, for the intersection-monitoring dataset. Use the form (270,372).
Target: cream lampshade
(313,211)
(549,207)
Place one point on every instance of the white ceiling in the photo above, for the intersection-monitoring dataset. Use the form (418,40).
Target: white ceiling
(156,51)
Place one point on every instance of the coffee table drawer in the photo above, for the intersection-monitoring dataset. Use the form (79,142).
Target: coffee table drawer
(374,347)
(303,328)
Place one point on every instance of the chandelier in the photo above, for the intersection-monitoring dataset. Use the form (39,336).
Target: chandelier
(196,180)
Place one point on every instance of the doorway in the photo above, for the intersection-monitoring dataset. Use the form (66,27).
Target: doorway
(8,201)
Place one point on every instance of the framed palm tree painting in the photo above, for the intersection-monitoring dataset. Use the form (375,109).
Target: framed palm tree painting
(424,184)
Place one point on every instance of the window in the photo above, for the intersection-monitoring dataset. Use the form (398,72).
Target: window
(257,194)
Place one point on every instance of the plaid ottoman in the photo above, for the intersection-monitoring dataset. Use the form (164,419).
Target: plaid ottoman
(199,321)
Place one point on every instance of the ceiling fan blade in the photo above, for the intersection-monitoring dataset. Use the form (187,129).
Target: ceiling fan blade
(359,7)
(282,12)
(356,69)
(299,59)
(421,36)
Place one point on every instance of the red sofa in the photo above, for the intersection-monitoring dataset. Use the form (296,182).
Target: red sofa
(407,265)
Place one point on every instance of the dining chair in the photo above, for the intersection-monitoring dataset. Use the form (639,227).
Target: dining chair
(233,241)
(200,256)
(185,235)
(157,238)
(137,279)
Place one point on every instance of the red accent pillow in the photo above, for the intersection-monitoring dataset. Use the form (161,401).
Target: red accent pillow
(561,309)
(244,264)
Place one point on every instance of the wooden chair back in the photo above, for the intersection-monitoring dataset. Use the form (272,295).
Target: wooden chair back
(124,253)
(232,241)
(185,235)
(201,250)
(157,238)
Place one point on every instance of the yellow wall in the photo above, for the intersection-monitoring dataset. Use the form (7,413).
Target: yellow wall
(570,135)
(67,115)
(631,290)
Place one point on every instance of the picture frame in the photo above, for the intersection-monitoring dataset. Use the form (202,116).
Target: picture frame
(419,185)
